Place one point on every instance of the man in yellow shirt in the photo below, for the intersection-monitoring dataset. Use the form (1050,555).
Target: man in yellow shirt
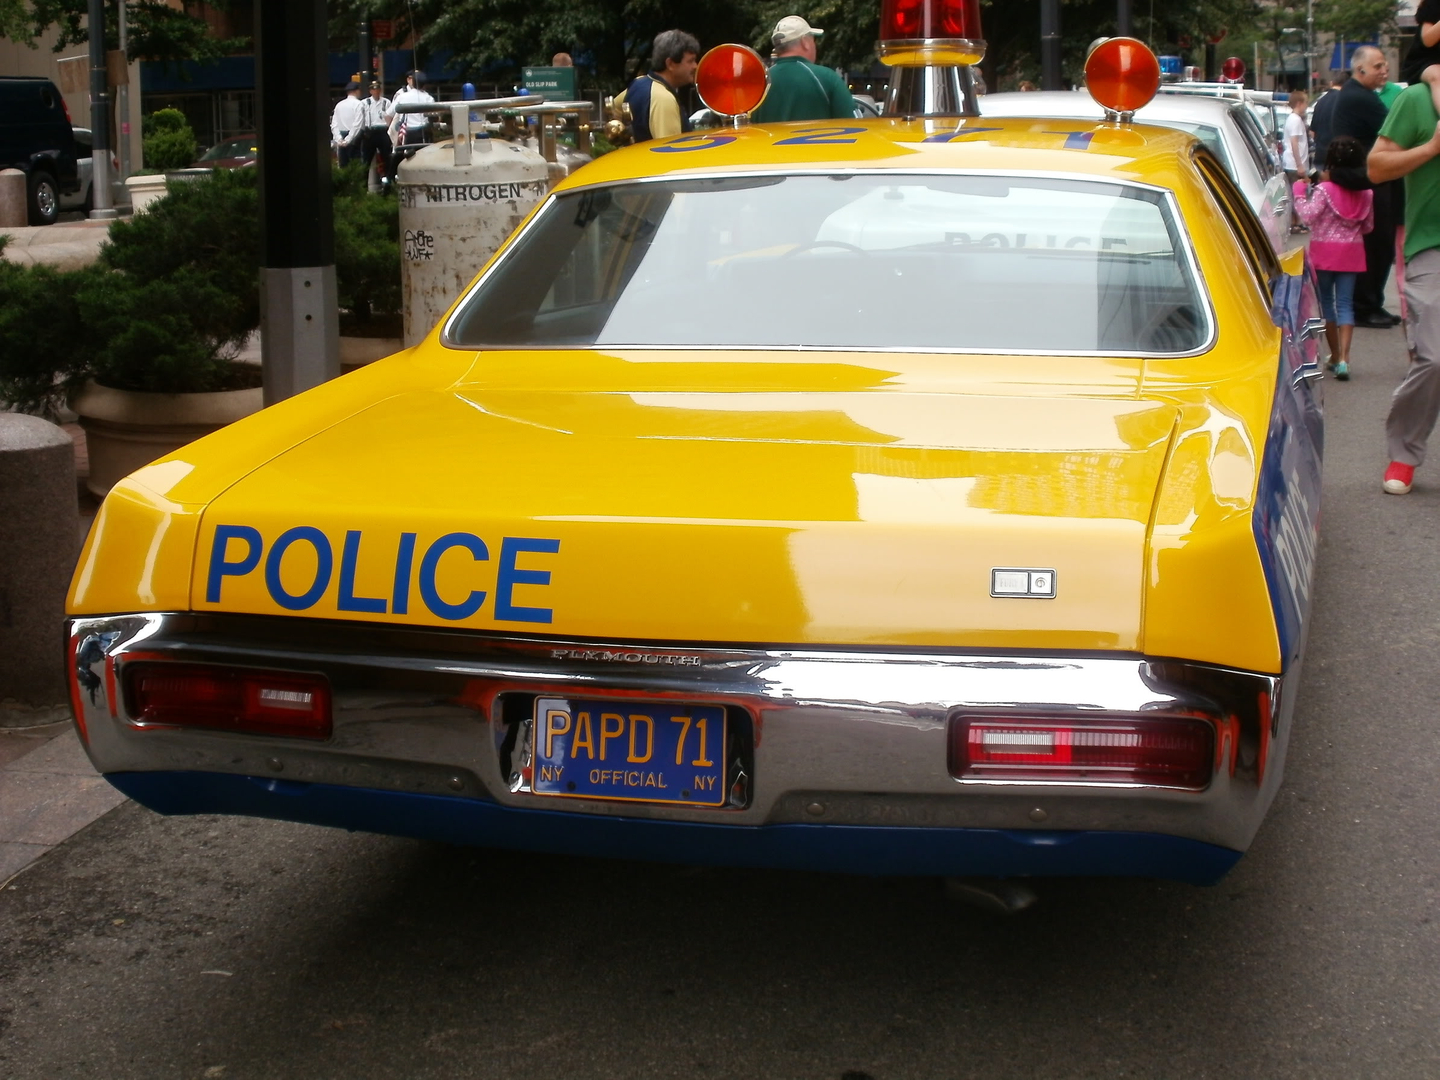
(654,109)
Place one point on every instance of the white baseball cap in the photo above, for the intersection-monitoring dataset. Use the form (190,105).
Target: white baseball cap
(793,28)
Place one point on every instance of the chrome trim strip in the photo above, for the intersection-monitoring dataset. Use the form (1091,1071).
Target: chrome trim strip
(860,734)
(1187,245)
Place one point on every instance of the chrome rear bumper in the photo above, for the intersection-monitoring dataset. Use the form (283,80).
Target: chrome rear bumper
(827,737)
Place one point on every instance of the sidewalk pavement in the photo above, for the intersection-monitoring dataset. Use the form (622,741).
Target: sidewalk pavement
(48,789)
(47,795)
(66,245)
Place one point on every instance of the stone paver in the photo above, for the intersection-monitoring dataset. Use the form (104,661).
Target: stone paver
(47,796)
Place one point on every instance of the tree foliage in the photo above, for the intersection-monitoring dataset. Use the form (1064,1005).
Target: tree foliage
(154,29)
(610,39)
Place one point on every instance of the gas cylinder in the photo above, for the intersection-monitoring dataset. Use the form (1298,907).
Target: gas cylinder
(454,217)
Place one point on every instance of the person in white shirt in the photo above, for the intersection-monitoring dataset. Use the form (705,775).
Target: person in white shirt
(1295,138)
(345,124)
(410,128)
(374,133)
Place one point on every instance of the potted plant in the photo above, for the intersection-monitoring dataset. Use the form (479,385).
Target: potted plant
(168,144)
(144,342)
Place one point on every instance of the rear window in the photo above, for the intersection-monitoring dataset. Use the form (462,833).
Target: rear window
(850,261)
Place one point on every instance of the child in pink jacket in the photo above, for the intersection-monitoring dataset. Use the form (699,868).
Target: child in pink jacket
(1338,218)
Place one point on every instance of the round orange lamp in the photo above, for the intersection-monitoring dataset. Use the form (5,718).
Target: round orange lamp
(1122,74)
(731,80)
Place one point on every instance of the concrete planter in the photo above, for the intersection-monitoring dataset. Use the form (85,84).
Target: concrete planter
(125,429)
(356,352)
(144,190)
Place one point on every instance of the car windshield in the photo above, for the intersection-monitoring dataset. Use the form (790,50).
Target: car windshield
(231,149)
(849,261)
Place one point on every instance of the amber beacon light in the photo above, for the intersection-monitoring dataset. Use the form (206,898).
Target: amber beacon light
(731,80)
(1122,75)
(930,46)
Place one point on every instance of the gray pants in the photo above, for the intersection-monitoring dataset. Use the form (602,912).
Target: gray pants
(1416,402)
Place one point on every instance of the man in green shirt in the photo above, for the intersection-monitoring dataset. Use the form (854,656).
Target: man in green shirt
(801,89)
(1409,145)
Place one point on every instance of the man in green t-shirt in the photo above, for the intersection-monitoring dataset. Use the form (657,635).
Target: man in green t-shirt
(1409,146)
(801,89)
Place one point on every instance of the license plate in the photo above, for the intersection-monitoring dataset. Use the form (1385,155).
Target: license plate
(641,751)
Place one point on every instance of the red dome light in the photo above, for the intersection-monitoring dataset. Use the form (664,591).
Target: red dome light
(1122,74)
(731,79)
(1233,70)
(916,33)
(910,20)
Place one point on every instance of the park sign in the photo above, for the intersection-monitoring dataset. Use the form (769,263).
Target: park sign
(556,83)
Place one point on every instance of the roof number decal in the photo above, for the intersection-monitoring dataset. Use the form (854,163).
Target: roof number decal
(821,136)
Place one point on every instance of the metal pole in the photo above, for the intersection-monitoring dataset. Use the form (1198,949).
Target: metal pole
(1050,45)
(122,97)
(99,114)
(366,71)
(1124,23)
(299,313)
(1309,46)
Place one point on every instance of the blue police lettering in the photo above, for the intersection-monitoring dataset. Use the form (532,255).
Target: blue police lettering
(431,562)
(404,559)
(220,567)
(324,563)
(509,576)
(237,551)
(348,601)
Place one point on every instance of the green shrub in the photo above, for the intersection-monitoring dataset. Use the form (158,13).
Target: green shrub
(168,142)
(367,247)
(40,348)
(165,336)
(210,226)
(176,292)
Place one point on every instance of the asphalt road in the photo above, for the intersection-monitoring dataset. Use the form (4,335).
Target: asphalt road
(208,947)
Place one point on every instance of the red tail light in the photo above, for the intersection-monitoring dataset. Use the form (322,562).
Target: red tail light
(1163,751)
(228,699)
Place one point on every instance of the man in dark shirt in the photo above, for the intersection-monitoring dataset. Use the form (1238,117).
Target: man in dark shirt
(1360,113)
(1322,120)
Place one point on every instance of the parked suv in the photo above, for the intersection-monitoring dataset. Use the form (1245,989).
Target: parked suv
(35,137)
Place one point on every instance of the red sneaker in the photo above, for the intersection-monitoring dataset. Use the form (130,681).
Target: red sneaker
(1398,478)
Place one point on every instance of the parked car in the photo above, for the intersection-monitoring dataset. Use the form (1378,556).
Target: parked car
(1268,107)
(1000,565)
(36,138)
(1228,128)
(84,197)
(237,153)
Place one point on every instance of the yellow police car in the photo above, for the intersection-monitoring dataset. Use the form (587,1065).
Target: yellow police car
(923,495)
